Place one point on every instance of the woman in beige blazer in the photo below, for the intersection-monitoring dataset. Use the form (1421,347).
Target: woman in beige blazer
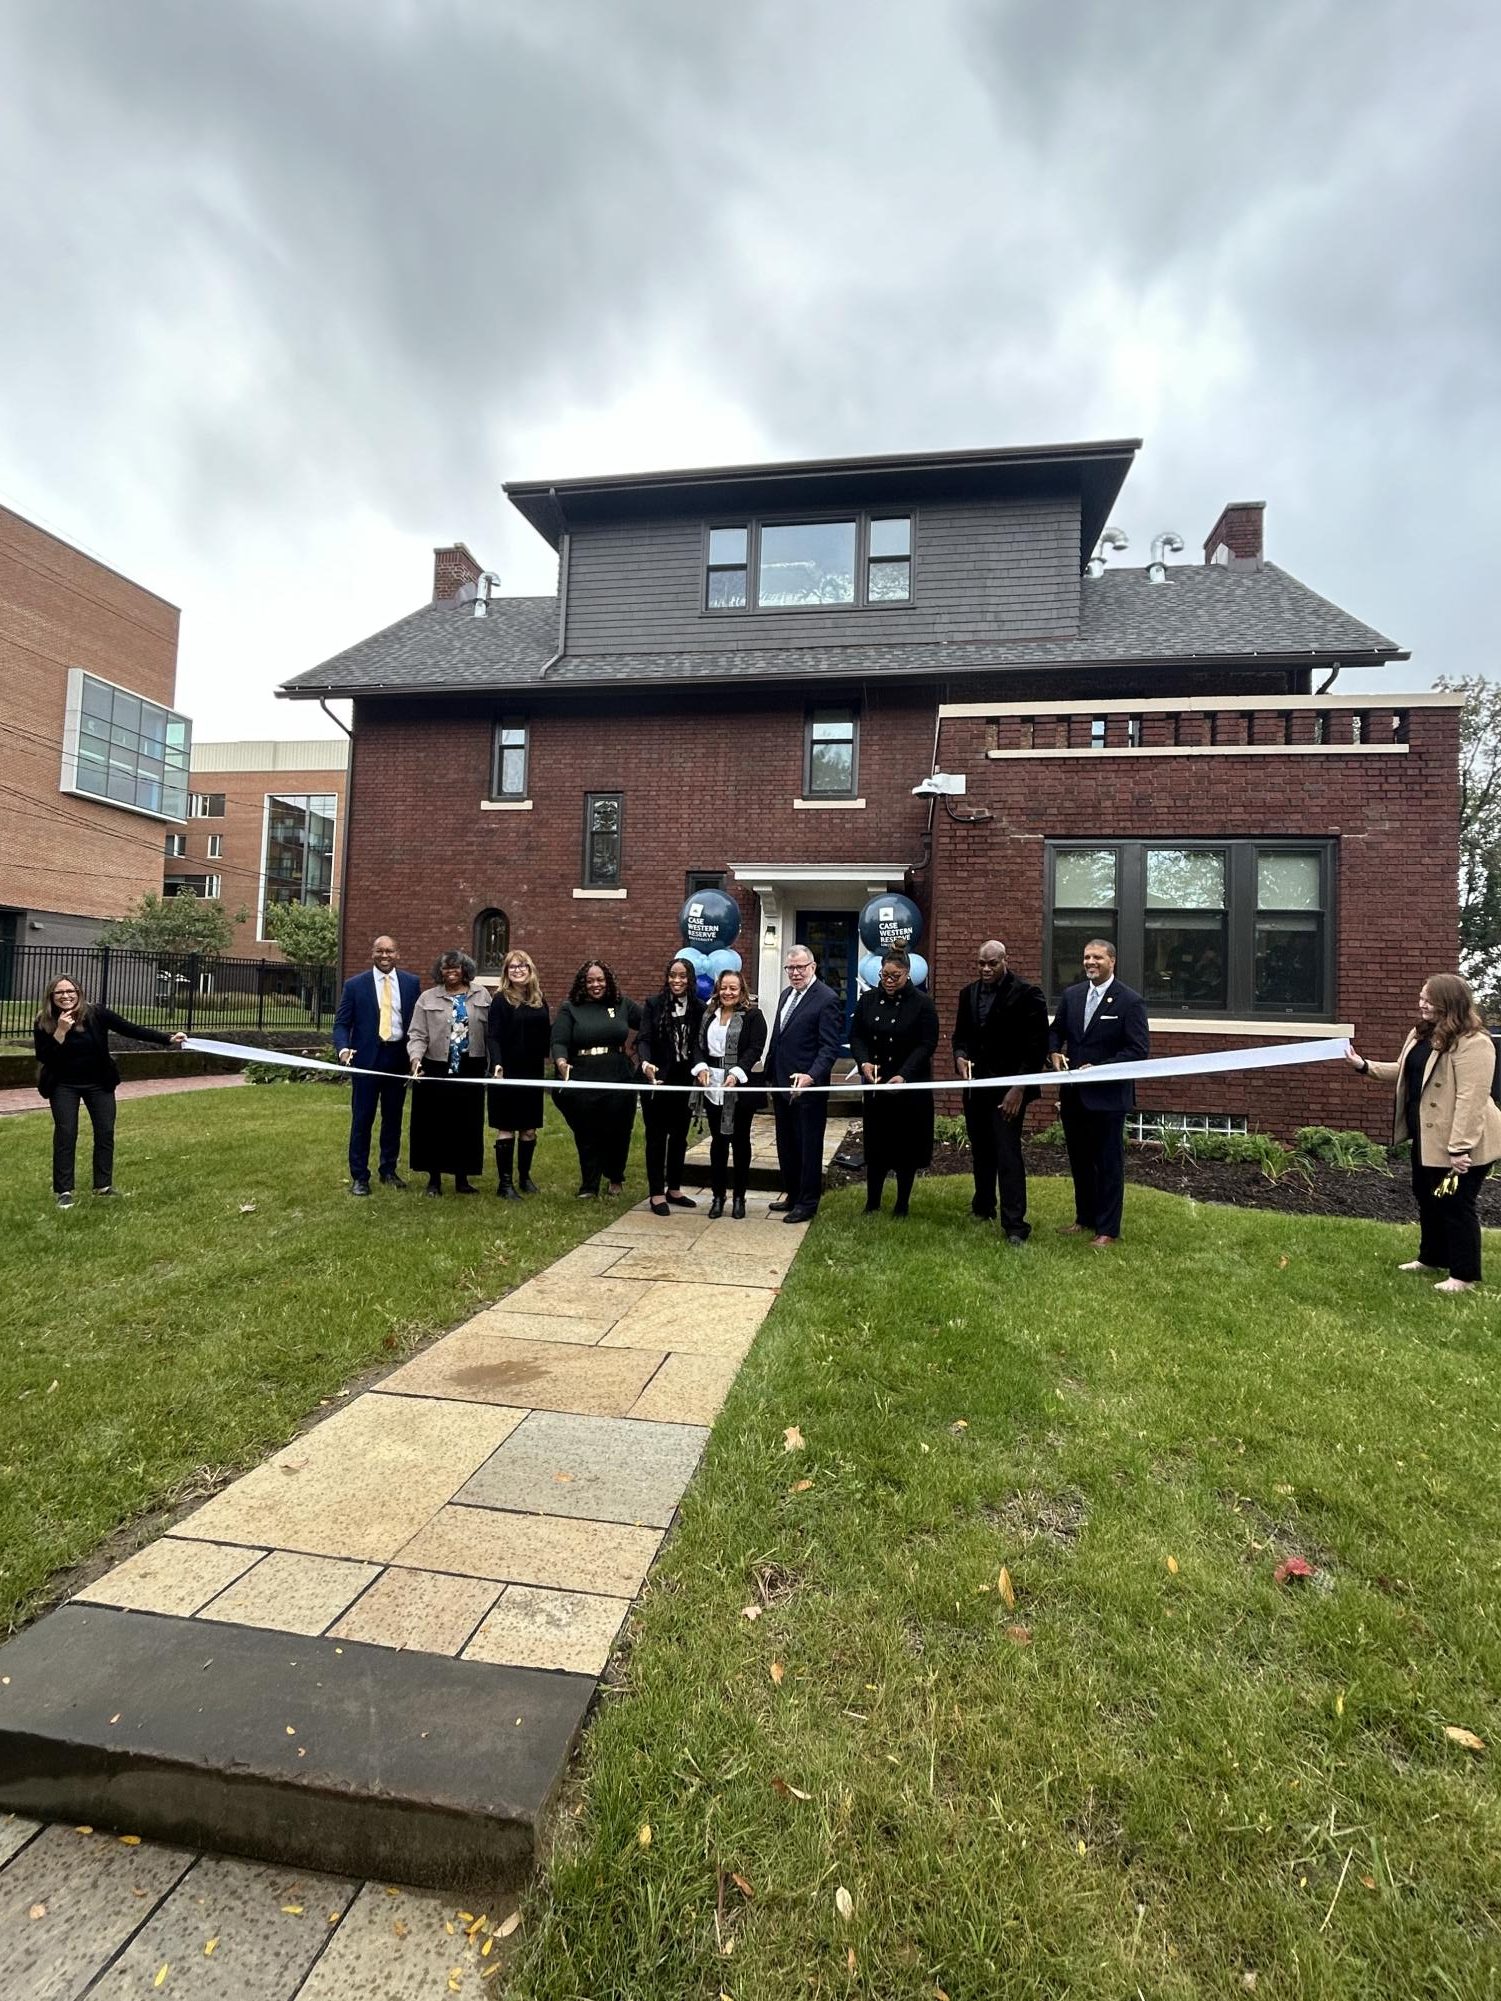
(446,1040)
(1444,1107)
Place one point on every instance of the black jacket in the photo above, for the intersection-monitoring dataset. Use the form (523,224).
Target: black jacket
(517,1038)
(83,1059)
(655,1037)
(1013,1038)
(1117,1034)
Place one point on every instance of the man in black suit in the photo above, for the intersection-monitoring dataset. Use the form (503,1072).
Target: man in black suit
(806,1032)
(370,1032)
(1000,1030)
(1098,1022)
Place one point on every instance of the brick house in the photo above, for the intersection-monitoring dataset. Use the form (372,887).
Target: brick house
(745,671)
(96,756)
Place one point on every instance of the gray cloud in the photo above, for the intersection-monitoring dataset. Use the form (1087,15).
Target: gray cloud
(296,285)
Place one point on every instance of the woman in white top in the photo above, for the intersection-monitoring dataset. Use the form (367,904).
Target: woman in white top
(731,1042)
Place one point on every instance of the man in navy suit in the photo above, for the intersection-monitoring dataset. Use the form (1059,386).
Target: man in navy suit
(370,1032)
(1098,1022)
(806,1032)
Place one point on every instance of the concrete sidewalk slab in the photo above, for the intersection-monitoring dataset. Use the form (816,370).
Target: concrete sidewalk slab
(424,1610)
(685,1319)
(292,1594)
(601,1468)
(173,1575)
(535,1628)
(608,1557)
(539,1375)
(92,1894)
(687,1389)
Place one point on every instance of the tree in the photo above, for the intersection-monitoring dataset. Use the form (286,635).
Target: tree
(1479,832)
(308,933)
(169,924)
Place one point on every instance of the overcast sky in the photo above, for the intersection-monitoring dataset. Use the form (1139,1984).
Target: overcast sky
(290,286)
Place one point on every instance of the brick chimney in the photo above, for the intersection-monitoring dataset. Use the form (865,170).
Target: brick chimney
(453,567)
(1235,539)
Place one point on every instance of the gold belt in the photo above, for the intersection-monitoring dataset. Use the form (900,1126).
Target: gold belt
(599,1049)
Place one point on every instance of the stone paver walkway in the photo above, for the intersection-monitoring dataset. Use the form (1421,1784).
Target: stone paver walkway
(26,1099)
(492,1508)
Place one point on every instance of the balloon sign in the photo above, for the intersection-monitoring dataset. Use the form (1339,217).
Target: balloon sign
(890,920)
(709,920)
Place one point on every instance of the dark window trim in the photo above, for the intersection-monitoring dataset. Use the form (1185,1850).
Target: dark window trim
(852,709)
(589,879)
(754,523)
(699,879)
(497,756)
(481,919)
(1241,852)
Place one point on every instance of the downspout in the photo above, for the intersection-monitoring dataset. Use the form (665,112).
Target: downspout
(348,817)
(565,552)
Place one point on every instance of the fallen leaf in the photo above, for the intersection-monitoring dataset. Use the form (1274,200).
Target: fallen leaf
(400,1927)
(247,1208)
(939,1995)
(849,1958)
(1339,1704)
(83,1830)
(801,1486)
(643,1835)
(1004,1586)
(130,1841)
(1248,1982)
(562,1479)
(116,1717)
(751,1611)
(510,1925)
(478,1924)
(392,1891)
(291,1730)
(466,1917)
(487,1948)
(208,1947)
(1019,1636)
(292,1910)
(161,1974)
(792,1438)
(1079,1845)
(1172,1566)
(844,1903)
(1281,1266)
(777,1672)
(1466,1739)
(52,1386)
(1369,1882)
(789,1792)
(1292,1567)
(741,1885)
(37,1911)
(334,1916)
(959,1424)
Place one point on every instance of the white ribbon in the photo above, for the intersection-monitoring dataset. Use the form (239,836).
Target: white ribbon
(1217,1062)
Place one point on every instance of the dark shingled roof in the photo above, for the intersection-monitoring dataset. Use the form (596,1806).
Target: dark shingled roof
(1199,613)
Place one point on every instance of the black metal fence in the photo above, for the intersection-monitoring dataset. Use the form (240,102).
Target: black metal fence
(187,991)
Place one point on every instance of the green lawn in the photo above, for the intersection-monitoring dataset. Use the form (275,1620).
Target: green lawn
(1161,1773)
(156,1342)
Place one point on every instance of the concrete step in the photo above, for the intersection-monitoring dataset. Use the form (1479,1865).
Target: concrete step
(763,1169)
(351,1759)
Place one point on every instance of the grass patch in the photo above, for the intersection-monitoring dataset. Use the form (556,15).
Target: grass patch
(1158,1773)
(157,1342)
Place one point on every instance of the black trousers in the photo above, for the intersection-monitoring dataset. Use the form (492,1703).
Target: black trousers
(100,1104)
(1449,1225)
(800,1123)
(602,1124)
(666,1118)
(995,1150)
(389,1095)
(724,1146)
(1097,1160)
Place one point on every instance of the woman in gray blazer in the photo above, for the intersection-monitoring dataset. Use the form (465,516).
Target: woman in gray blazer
(446,1040)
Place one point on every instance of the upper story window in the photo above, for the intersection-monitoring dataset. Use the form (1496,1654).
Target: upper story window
(297,855)
(122,749)
(1239,928)
(831,745)
(704,878)
(861,559)
(215,847)
(602,825)
(206,806)
(508,760)
(177,846)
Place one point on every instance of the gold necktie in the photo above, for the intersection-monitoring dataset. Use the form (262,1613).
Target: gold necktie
(385,1008)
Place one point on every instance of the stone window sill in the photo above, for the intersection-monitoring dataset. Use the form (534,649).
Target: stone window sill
(505,805)
(610,895)
(829,805)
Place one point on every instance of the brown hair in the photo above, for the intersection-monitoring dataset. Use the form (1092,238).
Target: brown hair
(745,992)
(1455,1012)
(49,1011)
(532,994)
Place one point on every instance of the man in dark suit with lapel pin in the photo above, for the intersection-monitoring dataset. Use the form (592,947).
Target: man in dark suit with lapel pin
(806,1031)
(1000,1030)
(1099,1022)
(370,1032)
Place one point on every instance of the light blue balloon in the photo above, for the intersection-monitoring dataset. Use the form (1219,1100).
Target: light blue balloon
(698,960)
(919,969)
(725,960)
(870,969)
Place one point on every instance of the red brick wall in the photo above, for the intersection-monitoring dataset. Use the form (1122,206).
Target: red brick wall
(1395,820)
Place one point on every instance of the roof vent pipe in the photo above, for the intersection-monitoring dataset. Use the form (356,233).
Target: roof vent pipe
(1166,544)
(487,582)
(1113,538)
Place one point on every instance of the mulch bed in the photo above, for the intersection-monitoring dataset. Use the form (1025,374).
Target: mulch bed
(1331,1191)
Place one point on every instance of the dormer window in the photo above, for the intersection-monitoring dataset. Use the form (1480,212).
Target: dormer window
(858,560)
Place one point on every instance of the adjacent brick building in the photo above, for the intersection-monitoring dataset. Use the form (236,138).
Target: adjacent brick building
(96,757)
(745,671)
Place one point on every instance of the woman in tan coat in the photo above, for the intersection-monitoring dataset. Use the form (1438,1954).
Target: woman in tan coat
(1444,1107)
(446,1040)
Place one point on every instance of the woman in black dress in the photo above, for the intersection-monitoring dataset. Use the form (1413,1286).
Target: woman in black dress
(731,1042)
(589,1036)
(665,1051)
(446,1038)
(892,1039)
(71,1040)
(517,1038)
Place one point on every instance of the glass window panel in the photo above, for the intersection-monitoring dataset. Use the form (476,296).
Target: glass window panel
(1084,879)
(810,562)
(1289,960)
(1071,933)
(727,590)
(891,536)
(889,582)
(512,773)
(728,545)
(98,698)
(1185,879)
(177,732)
(93,778)
(93,727)
(127,713)
(602,856)
(1184,960)
(121,786)
(149,794)
(153,731)
(833,726)
(831,767)
(1288,882)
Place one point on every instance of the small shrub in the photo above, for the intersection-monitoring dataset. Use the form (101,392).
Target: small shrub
(284,1073)
(950,1131)
(1050,1135)
(1177,1142)
(1352,1151)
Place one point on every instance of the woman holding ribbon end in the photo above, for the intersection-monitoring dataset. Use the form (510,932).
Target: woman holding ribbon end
(589,1037)
(1444,1077)
(731,1042)
(446,1042)
(892,1039)
(71,1040)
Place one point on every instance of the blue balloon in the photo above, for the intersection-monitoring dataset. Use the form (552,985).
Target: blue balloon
(709,919)
(890,920)
(725,960)
(699,961)
(870,969)
(705,986)
(919,969)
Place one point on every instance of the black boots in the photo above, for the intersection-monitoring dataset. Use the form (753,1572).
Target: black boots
(525,1152)
(737,1209)
(505,1154)
(716,1208)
